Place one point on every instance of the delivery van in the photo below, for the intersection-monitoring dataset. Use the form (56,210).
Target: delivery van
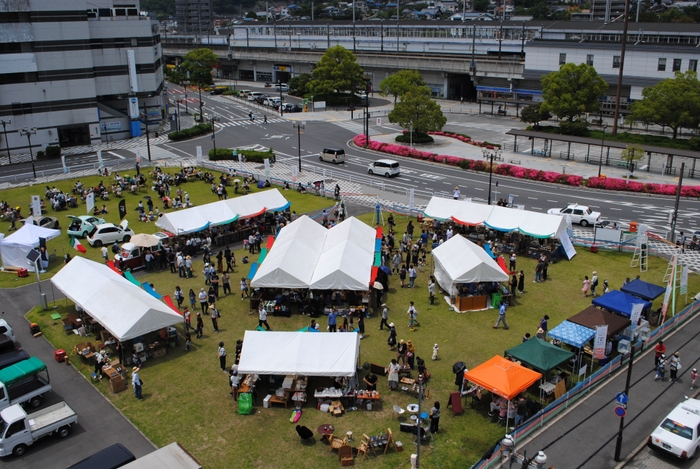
(332,155)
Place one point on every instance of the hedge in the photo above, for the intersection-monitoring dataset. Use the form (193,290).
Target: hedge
(250,155)
(418,137)
(196,130)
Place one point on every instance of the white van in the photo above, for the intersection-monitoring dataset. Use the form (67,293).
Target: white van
(252,96)
(385,168)
(244,93)
(332,155)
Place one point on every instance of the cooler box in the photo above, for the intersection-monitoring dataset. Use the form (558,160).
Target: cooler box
(266,401)
(22,272)
(34,328)
(59,355)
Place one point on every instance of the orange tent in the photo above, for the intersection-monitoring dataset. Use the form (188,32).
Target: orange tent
(502,377)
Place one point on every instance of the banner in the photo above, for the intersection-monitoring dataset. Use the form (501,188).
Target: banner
(63,163)
(636,313)
(295,173)
(411,200)
(122,209)
(99,158)
(138,155)
(567,245)
(199,155)
(601,335)
(669,290)
(267,168)
(36,206)
(90,202)
(684,280)
(239,157)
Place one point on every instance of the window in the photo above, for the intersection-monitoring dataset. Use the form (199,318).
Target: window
(19,426)
(693,65)
(616,61)
(562,59)
(662,65)
(589,59)
(676,65)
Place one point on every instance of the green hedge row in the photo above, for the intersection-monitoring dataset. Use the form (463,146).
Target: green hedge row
(418,137)
(198,129)
(250,155)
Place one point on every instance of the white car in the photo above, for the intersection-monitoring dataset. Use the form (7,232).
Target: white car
(580,214)
(386,168)
(7,330)
(109,233)
(678,432)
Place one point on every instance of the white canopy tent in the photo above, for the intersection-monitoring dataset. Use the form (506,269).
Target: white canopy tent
(535,224)
(194,219)
(14,248)
(307,255)
(121,307)
(299,353)
(458,260)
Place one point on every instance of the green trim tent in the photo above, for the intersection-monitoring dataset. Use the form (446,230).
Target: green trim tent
(539,355)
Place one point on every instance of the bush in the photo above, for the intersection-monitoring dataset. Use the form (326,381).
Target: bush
(40,155)
(578,128)
(223,154)
(198,129)
(694,143)
(418,137)
(53,151)
(230,93)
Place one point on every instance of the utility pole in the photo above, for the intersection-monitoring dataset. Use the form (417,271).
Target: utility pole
(299,126)
(618,94)
(675,208)
(618,443)
(6,121)
(490,175)
(29,132)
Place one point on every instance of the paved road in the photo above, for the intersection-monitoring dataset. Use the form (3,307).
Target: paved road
(99,423)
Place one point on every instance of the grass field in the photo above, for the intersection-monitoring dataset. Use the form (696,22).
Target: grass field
(186,397)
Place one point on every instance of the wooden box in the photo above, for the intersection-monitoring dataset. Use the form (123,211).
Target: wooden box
(117,384)
(159,353)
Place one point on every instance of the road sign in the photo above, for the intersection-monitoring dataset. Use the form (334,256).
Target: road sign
(379,121)
(620,411)
(621,398)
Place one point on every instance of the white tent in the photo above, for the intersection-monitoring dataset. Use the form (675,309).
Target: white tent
(299,353)
(119,306)
(191,220)
(14,248)
(307,255)
(535,224)
(458,260)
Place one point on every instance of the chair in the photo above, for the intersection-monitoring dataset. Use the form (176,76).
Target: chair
(365,445)
(335,442)
(399,411)
(304,432)
(345,456)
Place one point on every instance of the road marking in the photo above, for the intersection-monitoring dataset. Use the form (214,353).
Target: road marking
(532,198)
(638,211)
(536,208)
(618,209)
(117,155)
(553,201)
(478,189)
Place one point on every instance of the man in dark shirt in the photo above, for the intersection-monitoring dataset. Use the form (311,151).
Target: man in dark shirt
(371,381)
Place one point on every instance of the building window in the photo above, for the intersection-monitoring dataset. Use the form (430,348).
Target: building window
(562,59)
(589,59)
(662,65)
(693,65)
(616,61)
(676,65)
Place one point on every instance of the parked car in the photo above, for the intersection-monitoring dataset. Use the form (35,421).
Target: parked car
(260,99)
(134,257)
(282,87)
(273,101)
(219,90)
(82,226)
(289,107)
(385,168)
(44,222)
(23,383)
(109,233)
(677,434)
(253,95)
(20,430)
(13,357)
(6,329)
(580,214)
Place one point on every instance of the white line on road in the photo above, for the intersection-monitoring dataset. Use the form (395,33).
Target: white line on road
(618,209)
(478,189)
(117,155)
(536,208)
(638,211)
(553,201)
(532,198)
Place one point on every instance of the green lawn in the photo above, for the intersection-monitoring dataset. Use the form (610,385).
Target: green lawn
(186,397)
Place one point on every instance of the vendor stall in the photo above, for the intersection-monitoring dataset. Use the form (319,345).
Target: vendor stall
(544,357)
(15,247)
(592,317)
(620,303)
(644,290)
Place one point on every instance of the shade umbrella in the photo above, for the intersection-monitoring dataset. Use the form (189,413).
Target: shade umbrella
(144,240)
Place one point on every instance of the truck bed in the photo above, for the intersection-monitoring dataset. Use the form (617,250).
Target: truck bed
(25,388)
(49,416)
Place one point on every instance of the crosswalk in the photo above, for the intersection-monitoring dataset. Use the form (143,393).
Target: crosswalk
(247,122)
(157,153)
(356,127)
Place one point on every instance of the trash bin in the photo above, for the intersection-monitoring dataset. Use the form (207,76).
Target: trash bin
(496,299)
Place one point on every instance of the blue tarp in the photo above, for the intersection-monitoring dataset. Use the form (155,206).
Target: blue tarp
(619,302)
(644,290)
(572,334)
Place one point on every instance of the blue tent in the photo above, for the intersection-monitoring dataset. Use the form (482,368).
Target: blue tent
(644,290)
(572,334)
(619,302)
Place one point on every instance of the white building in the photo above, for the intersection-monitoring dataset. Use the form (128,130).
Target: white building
(77,71)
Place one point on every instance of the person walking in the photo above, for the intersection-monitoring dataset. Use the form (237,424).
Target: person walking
(511,264)
(262,317)
(693,378)
(659,351)
(136,382)
(502,316)
(187,317)
(410,354)
(586,286)
(401,352)
(222,356)
(456,193)
(412,315)
(594,283)
(521,413)
(661,369)
(244,288)
(521,282)
(361,326)
(332,320)
(402,275)
(193,299)
(203,300)
(385,317)
(674,366)
(393,374)
(395,262)
(214,317)
(544,325)
(179,297)
(435,417)
(412,275)
(431,290)
(391,341)
(200,326)
(538,272)
(513,285)
(226,283)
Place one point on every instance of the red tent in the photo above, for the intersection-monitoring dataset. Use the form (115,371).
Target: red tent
(502,377)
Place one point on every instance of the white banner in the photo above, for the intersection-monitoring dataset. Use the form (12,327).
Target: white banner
(295,173)
(684,280)
(199,155)
(134,108)
(411,200)
(568,246)
(99,158)
(636,313)
(63,162)
(36,206)
(267,168)
(669,290)
(601,335)
(90,202)
(138,155)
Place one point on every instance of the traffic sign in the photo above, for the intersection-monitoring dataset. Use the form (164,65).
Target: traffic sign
(621,398)
(379,121)
(620,411)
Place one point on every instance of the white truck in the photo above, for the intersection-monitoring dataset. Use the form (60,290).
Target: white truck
(24,383)
(19,430)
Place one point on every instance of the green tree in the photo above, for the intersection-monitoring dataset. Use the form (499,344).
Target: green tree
(673,102)
(199,63)
(337,72)
(572,90)
(481,5)
(251,15)
(400,83)
(299,85)
(631,154)
(416,109)
(534,114)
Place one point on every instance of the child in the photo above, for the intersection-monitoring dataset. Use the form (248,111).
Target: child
(586,286)
(436,351)
(693,377)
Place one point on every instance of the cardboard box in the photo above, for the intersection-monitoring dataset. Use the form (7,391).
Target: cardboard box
(117,384)
(266,401)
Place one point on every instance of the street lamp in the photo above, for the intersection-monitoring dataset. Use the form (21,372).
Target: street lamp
(144,117)
(299,128)
(186,84)
(602,144)
(279,85)
(213,131)
(178,113)
(491,174)
(29,132)
(201,104)
(4,130)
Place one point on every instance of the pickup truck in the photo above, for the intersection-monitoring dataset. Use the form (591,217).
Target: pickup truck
(19,430)
(24,382)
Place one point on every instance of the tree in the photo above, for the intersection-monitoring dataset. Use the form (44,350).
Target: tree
(416,109)
(534,114)
(251,15)
(337,72)
(572,90)
(400,83)
(199,63)
(631,154)
(299,85)
(481,5)
(673,102)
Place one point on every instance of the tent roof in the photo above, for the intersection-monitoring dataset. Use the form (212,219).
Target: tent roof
(619,302)
(592,317)
(465,262)
(299,353)
(191,220)
(644,290)
(539,354)
(122,308)
(502,377)
(572,334)
(29,236)
(535,224)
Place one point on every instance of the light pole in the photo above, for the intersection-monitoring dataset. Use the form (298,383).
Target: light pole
(201,104)
(602,144)
(213,132)
(144,116)
(279,85)
(4,131)
(299,128)
(29,132)
(491,175)
(178,114)
(186,83)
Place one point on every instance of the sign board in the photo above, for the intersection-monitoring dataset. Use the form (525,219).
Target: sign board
(621,398)
(267,168)
(684,280)
(319,105)
(601,335)
(620,411)
(567,245)
(36,206)
(134,108)
(199,155)
(113,126)
(379,121)
(636,312)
